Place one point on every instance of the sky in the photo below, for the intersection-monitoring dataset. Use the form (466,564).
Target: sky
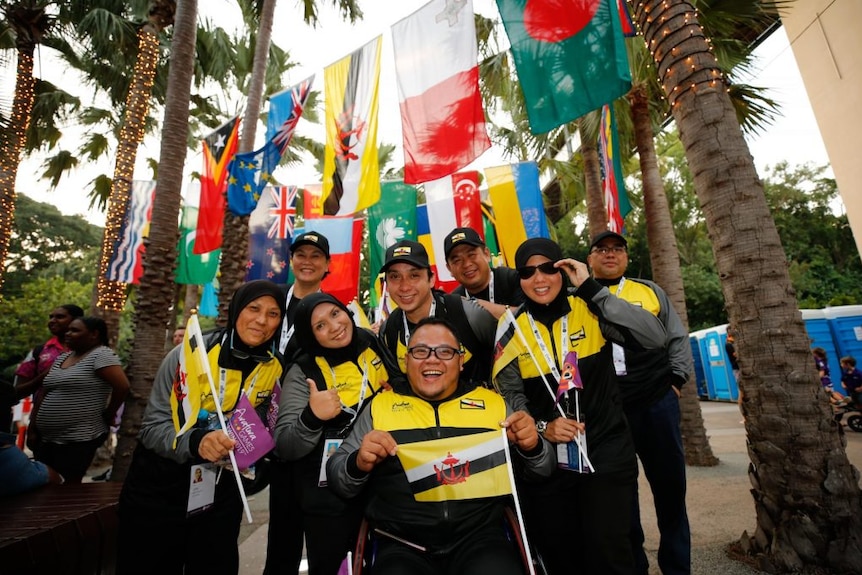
(793,136)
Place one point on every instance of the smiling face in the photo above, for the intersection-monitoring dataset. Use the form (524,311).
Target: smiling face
(258,321)
(309,264)
(58,322)
(433,378)
(470,266)
(332,327)
(611,264)
(541,287)
(410,287)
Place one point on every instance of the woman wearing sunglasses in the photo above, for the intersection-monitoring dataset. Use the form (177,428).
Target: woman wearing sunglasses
(338,369)
(555,360)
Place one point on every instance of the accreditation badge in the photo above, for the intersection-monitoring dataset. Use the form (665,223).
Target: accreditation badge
(330,446)
(202,488)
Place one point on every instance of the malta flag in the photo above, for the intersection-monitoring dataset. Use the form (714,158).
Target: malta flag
(465,467)
(570,57)
(218,149)
(453,202)
(614,191)
(436,65)
(126,264)
(519,213)
(351,176)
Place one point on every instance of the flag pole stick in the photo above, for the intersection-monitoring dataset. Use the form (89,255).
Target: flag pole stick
(523,339)
(199,340)
(518,504)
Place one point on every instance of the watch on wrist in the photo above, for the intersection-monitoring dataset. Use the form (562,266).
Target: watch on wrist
(541,426)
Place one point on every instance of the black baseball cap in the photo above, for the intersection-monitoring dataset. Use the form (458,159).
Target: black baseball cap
(408,252)
(460,236)
(605,235)
(315,239)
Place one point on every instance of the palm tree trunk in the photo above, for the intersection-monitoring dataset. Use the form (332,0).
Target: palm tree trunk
(235,245)
(808,502)
(664,258)
(156,291)
(596,213)
(111,295)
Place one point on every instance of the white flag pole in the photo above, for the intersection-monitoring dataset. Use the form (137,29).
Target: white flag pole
(518,504)
(194,327)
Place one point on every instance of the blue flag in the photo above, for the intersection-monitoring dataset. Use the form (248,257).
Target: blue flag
(249,174)
(270,228)
(285,109)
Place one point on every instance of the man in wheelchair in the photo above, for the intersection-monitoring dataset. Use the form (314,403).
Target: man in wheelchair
(432,463)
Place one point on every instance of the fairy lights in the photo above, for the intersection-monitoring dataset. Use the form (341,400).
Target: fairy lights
(111,295)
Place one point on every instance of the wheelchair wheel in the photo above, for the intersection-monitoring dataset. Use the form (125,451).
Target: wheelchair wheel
(854,422)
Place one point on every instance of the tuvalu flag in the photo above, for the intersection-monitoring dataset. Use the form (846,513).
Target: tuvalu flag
(218,149)
(463,467)
(570,57)
(351,176)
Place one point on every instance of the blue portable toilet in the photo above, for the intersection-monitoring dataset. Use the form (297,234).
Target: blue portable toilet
(846,324)
(820,334)
(720,382)
(699,374)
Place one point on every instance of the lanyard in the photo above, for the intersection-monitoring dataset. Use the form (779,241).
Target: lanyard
(286,329)
(491,288)
(431,313)
(618,351)
(564,348)
(362,390)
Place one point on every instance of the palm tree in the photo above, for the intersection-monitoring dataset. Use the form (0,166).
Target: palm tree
(30,23)
(156,292)
(809,505)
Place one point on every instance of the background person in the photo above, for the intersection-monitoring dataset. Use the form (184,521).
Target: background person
(179,334)
(577,521)
(462,535)
(82,393)
(650,382)
(339,369)
(468,259)
(165,525)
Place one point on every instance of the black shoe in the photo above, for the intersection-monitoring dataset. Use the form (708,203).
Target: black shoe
(103,476)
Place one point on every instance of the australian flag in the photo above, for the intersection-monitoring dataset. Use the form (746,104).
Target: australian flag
(270,228)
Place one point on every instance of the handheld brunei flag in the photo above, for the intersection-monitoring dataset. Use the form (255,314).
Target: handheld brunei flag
(190,380)
(470,466)
(570,378)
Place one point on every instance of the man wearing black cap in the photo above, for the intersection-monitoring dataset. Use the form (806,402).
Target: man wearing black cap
(409,279)
(649,383)
(469,261)
(309,258)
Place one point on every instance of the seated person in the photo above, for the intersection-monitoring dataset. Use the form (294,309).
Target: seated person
(19,473)
(426,524)
(851,378)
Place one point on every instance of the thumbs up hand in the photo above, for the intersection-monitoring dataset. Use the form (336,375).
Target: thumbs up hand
(325,405)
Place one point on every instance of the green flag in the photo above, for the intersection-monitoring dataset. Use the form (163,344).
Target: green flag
(193,268)
(570,59)
(391,219)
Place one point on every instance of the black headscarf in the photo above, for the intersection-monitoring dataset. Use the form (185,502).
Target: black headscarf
(304,334)
(545,313)
(235,353)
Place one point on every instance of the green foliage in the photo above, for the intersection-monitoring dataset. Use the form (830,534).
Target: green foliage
(24,317)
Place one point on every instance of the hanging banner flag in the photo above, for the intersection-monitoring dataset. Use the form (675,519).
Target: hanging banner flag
(351,176)
(218,149)
(437,71)
(193,268)
(628,26)
(423,236)
(127,259)
(270,229)
(518,210)
(613,189)
(312,206)
(345,244)
(453,202)
(209,301)
(249,173)
(285,109)
(391,219)
(567,66)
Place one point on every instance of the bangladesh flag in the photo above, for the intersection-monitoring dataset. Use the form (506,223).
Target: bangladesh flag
(570,56)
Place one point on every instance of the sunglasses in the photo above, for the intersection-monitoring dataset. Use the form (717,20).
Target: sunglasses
(546,268)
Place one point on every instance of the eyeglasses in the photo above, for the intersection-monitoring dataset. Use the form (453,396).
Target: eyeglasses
(546,268)
(605,250)
(443,352)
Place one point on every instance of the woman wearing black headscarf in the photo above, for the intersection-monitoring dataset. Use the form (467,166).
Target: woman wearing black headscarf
(340,368)
(179,513)
(579,519)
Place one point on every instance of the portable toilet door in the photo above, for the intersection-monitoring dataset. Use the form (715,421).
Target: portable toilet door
(846,324)
(820,334)
(699,373)
(720,373)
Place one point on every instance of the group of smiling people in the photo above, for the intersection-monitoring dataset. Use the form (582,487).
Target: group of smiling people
(348,397)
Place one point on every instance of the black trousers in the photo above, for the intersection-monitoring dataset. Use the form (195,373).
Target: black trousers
(71,460)
(284,542)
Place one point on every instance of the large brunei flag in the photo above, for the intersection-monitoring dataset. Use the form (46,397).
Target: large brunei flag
(570,57)
(351,176)
(465,467)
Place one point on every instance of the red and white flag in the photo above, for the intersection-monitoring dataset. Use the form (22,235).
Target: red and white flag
(436,65)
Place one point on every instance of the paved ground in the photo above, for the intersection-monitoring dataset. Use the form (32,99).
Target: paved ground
(720,505)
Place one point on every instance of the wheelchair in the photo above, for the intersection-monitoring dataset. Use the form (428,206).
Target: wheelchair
(366,546)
